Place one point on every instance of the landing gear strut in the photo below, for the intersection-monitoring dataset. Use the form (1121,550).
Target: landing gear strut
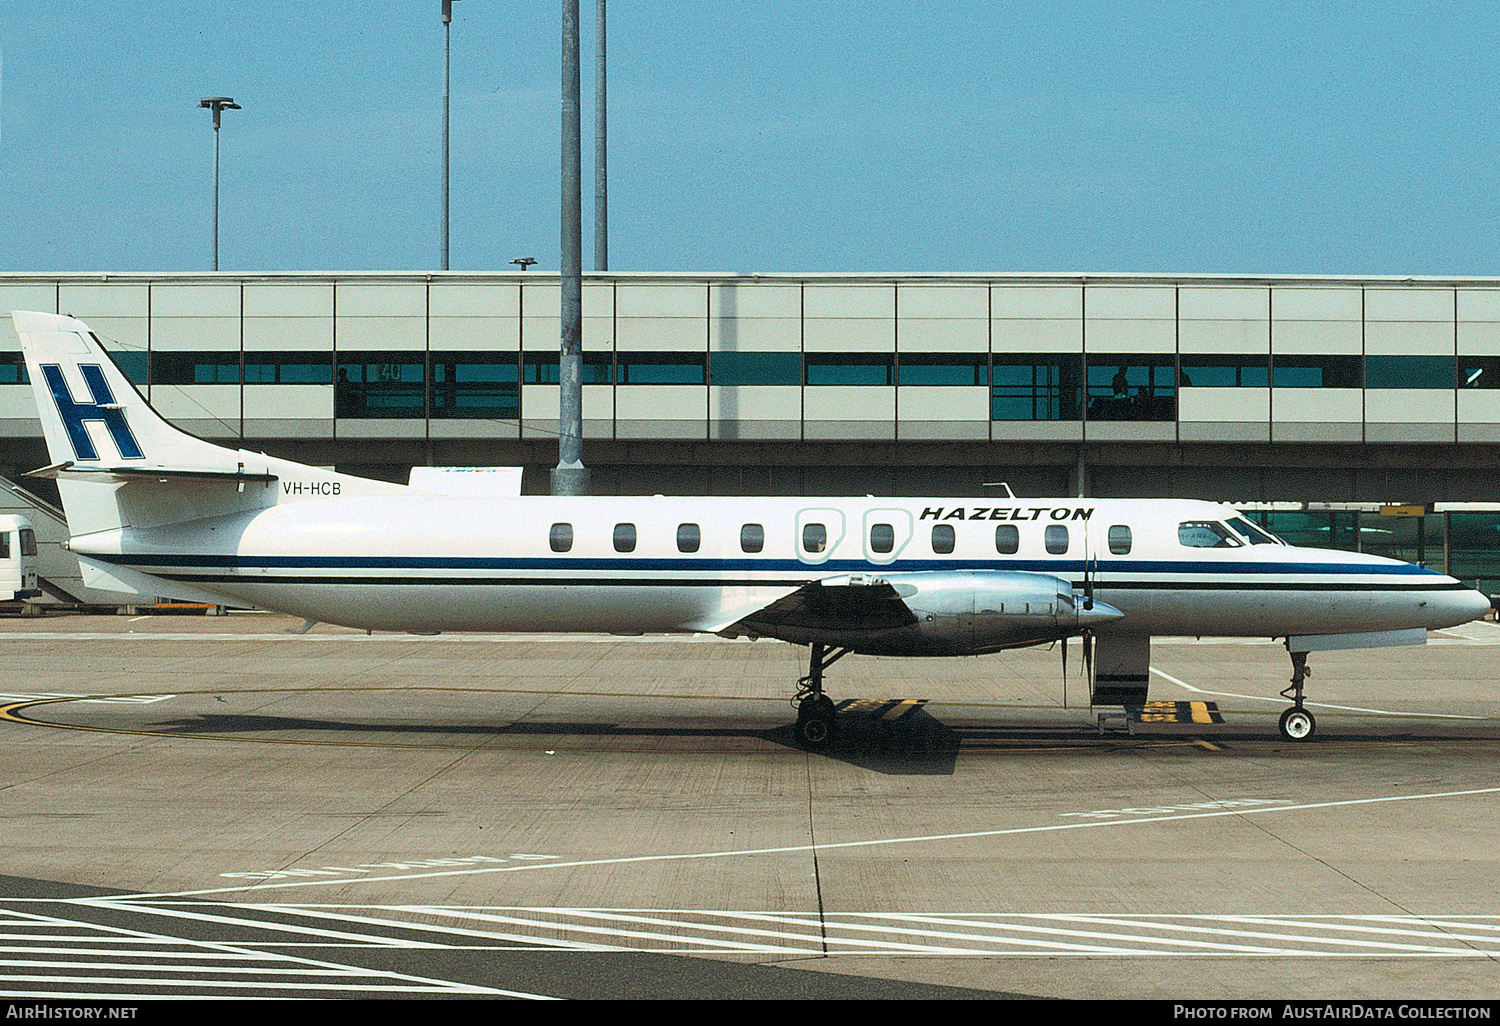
(1297,724)
(817,719)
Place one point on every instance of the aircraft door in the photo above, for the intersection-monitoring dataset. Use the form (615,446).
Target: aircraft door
(819,532)
(886,532)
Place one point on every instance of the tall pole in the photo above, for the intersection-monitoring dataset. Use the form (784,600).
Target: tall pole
(570,477)
(217,105)
(447,25)
(601,148)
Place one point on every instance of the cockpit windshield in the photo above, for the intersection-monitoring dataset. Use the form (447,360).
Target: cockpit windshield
(1207,534)
(1256,534)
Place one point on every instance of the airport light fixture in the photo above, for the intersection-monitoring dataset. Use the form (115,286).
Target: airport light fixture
(217,104)
(524,263)
(447,23)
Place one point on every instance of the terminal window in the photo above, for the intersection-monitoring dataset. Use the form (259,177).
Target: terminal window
(13,369)
(1136,387)
(1210,371)
(169,368)
(943,369)
(1409,372)
(1036,387)
(1301,371)
(660,369)
(476,385)
(850,368)
(1475,372)
(380,385)
(288,368)
(542,369)
(755,368)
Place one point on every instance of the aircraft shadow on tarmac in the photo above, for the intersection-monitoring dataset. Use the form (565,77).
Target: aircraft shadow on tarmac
(915,744)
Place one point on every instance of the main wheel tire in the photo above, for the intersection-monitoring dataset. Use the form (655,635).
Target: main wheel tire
(1297,724)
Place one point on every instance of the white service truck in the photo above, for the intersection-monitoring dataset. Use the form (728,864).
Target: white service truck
(17,557)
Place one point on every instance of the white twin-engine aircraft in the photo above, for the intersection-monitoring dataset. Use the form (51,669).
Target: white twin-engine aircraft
(155,511)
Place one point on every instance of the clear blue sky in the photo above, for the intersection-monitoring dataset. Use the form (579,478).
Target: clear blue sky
(752,136)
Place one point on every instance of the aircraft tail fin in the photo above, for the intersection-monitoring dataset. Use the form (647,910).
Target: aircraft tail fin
(119,464)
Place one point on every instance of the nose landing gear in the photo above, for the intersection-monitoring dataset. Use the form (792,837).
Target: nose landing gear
(817,716)
(1297,724)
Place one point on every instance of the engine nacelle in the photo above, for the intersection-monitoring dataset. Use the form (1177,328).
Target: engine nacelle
(958,612)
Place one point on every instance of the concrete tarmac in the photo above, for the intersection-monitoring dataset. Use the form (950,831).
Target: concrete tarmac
(219,806)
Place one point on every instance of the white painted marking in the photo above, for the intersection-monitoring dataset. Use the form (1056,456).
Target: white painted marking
(1320,705)
(798,848)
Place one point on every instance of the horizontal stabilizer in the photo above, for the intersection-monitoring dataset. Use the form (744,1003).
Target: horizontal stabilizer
(70,469)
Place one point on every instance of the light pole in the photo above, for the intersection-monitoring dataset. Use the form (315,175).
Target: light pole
(447,23)
(217,104)
(601,146)
(570,476)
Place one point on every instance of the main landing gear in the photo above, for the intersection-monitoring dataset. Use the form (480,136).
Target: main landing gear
(817,717)
(1297,724)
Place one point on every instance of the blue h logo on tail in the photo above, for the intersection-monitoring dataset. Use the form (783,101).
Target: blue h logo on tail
(103,409)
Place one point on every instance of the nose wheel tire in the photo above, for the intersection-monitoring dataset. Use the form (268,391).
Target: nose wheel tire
(1297,724)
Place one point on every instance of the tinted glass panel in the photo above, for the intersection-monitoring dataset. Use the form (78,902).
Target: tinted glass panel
(755,368)
(560,537)
(168,368)
(5,545)
(849,368)
(288,368)
(1057,539)
(13,369)
(1007,539)
(942,538)
(1225,371)
(1119,539)
(1132,388)
(689,537)
(944,369)
(134,365)
(624,537)
(1317,371)
(28,542)
(542,368)
(814,537)
(660,368)
(1479,372)
(380,385)
(480,385)
(1408,372)
(882,538)
(1036,387)
(752,538)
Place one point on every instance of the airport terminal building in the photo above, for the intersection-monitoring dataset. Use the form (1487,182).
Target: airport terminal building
(1315,401)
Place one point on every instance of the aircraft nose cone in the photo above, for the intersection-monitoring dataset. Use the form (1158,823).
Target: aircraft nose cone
(1102,613)
(1466,605)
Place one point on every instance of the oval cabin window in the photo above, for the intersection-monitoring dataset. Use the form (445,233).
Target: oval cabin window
(1057,539)
(1119,539)
(689,537)
(560,537)
(624,537)
(814,537)
(942,539)
(1007,539)
(882,538)
(752,538)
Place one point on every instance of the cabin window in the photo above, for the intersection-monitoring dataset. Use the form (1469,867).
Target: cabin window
(814,537)
(1119,539)
(1206,534)
(942,538)
(689,537)
(1056,539)
(624,537)
(28,542)
(752,538)
(882,538)
(560,537)
(1007,539)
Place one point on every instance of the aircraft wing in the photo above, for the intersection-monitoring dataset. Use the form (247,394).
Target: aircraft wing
(851,602)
